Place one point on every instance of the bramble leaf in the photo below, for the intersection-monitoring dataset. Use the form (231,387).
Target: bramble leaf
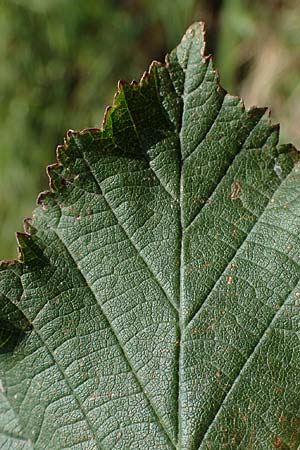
(156,301)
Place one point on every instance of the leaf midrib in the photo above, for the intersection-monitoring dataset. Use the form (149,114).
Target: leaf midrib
(183,327)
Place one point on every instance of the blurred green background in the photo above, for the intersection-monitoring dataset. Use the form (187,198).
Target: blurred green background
(60,61)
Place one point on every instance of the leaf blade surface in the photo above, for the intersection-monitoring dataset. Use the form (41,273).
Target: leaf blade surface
(157,281)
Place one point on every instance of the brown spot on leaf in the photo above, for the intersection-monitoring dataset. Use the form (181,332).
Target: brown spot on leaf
(277,442)
(279,390)
(235,190)
(295,422)
(232,266)
(201,200)
(229,280)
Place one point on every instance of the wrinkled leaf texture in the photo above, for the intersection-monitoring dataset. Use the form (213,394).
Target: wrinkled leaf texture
(156,301)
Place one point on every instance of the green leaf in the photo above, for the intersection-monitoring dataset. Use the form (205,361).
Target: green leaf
(156,301)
